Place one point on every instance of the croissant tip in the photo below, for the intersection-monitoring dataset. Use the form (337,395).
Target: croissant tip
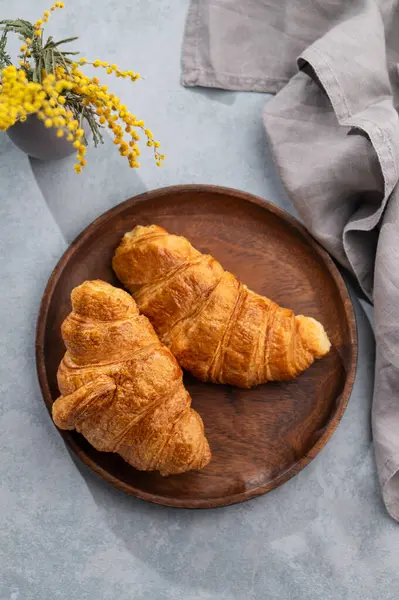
(314,335)
(206,458)
(141,230)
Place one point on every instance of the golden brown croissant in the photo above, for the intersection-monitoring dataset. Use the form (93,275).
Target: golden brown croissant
(215,326)
(122,389)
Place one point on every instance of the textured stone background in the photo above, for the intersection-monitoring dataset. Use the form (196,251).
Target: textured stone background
(66,535)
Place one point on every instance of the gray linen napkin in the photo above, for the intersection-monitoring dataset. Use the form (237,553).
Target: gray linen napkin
(334,133)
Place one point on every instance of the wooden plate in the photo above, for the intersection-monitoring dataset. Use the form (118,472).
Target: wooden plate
(260,437)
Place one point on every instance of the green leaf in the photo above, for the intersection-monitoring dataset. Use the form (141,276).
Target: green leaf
(39,66)
(62,60)
(66,41)
(5,59)
(48,63)
(19,26)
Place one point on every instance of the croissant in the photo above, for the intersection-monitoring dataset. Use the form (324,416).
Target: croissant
(214,325)
(122,389)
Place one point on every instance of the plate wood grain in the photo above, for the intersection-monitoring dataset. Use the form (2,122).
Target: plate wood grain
(261,437)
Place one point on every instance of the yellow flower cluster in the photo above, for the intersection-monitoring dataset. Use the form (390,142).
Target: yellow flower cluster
(45,17)
(111,69)
(20,97)
(111,112)
(49,100)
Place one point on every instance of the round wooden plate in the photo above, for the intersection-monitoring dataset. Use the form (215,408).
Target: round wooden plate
(259,437)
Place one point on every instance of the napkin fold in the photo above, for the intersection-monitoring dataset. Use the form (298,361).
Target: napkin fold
(334,133)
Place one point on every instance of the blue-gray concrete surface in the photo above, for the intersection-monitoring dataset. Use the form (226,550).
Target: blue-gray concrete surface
(64,534)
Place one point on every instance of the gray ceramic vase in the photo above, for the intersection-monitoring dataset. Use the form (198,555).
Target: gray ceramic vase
(38,141)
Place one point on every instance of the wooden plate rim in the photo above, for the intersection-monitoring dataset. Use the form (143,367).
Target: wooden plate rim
(342,401)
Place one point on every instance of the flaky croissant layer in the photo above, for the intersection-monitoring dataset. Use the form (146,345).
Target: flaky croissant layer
(122,389)
(214,325)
